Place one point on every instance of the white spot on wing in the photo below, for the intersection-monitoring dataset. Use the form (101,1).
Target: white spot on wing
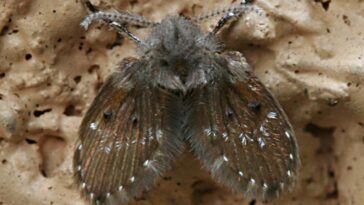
(93,126)
(291,156)
(241,173)
(272,115)
(281,185)
(150,132)
(243,139)
(264,130)
(249,138)
(261,142)
(120,188)
(159,134)
(132,179)
(207,131)
(107,149)
(146,163)
(289,173)
(287,134)
(252,181)
(217,163)
(225,136)
(231,14)
(225,158)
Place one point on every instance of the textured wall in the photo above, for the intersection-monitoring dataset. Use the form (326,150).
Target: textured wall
(308,52)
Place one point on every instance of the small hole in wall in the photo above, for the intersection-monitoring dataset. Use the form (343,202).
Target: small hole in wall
(203,192)
(318,131)
(4,30)
(346,20)
(252,202)
(28,56)
(133,2)
(334,193)
(31,141)
(80,46)
(140,198)
(71,110)
(331,173)
(38,113)
(77,79)
(310,180)
(324,3)
(118,42)
(93,68)
(167,178)
(43,172)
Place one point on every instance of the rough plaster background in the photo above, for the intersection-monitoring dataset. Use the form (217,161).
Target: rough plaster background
(308,52)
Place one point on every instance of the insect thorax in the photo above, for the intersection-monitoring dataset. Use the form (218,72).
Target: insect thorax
(181,51)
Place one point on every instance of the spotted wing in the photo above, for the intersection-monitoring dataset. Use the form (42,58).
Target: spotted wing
(240,132)
(127,139)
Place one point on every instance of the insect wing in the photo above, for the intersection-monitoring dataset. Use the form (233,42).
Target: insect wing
(127,139)
(239,131)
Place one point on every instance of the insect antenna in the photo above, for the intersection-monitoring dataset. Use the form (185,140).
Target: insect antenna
(117,20)
(228,14)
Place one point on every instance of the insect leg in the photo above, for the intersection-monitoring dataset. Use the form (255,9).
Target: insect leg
(222,22)
(232,12)
(228,14)
(123,29)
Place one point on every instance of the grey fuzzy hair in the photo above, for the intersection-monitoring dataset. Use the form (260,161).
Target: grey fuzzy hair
(178,38)
(183,90)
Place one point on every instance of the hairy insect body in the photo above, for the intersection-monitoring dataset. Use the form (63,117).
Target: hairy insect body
(182,89)
(180,55)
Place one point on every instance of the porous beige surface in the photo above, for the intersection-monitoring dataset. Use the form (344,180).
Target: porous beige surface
(308,52)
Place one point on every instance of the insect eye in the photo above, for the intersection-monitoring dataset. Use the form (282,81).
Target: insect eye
(107,115)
